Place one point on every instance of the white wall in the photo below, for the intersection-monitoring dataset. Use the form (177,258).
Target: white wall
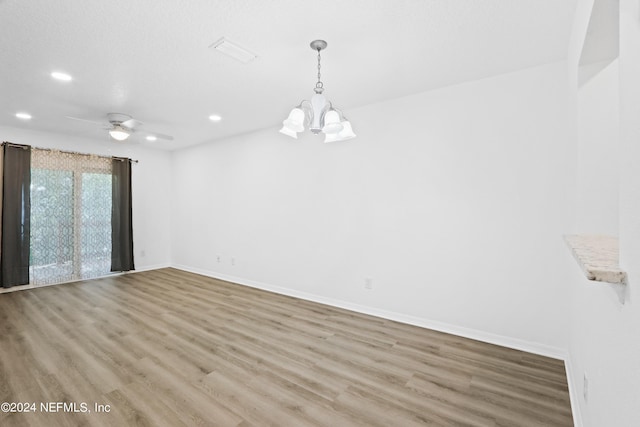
(596,113)
(597,153)
(151,179)
(625,351)
(593,303)
(452,201)
(604,318)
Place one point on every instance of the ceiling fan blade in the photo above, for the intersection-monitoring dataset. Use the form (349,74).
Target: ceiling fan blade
(88,121)
(160,136)
(131,123)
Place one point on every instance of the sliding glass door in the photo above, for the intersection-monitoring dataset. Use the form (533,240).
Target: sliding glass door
(70,219)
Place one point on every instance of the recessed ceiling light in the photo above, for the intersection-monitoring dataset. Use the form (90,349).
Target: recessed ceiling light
(152,138)
(215,118)
(23,116)
(58,75)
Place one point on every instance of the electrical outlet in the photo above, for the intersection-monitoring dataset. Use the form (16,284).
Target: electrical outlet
(368,283)
(585,387)
(143,254)
(233,261)
(218,259)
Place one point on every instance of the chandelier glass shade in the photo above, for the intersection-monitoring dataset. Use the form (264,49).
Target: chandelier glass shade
(318,114)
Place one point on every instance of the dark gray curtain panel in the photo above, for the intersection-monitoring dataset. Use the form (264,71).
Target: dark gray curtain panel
(16,215)
(121,216)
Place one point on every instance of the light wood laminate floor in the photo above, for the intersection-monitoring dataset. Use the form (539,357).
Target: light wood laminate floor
(171,348)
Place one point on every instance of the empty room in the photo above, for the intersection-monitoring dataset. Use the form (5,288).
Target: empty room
(337,213)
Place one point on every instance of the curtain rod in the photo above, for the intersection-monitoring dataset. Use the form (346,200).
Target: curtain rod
(68,152)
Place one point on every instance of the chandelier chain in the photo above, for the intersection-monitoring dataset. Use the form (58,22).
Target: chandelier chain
(319,85)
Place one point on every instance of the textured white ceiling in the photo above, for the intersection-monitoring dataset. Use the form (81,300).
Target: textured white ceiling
(150,58)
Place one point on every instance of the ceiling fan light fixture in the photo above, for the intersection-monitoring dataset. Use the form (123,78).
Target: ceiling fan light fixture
(119,133)
(151,138)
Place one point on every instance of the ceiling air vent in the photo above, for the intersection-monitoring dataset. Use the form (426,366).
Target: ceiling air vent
(233,50)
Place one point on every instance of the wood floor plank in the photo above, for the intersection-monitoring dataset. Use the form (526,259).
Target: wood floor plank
(173,348)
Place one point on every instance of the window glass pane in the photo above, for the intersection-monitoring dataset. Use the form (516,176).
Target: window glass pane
(95,230)
(52,228)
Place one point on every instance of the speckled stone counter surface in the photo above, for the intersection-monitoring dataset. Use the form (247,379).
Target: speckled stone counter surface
(598,257)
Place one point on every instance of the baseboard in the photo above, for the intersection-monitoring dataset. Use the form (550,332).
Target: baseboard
(574,392)
(151,267)
(514,343)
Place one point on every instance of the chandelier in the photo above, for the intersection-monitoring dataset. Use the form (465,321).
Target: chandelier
(319,115)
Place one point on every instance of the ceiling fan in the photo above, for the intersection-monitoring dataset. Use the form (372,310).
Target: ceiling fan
(122,126)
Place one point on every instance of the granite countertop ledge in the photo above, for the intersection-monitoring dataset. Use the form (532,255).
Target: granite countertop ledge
(598,257)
